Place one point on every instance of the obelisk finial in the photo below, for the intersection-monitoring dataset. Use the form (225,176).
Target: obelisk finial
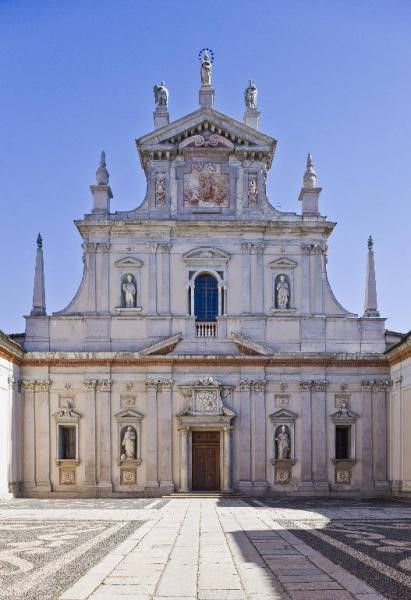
(102,175)
(370,304)
(39,292)
(310,176)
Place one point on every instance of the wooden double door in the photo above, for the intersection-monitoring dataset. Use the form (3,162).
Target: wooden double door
(206,460)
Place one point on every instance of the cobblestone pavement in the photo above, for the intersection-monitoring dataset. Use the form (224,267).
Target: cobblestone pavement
(206,549)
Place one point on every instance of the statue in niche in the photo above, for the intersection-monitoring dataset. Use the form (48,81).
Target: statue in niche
(206,69)
(282,441)
(128,443)
(282,292)
(130,291)
(161,95)
(252,191)
(160,189)
(250,95)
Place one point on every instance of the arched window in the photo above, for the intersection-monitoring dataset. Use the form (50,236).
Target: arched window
(205,298)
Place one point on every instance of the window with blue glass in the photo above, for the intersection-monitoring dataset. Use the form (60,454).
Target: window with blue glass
(206,298)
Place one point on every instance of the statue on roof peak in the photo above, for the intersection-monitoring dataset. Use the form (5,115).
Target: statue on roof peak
(206,56)
(161,95)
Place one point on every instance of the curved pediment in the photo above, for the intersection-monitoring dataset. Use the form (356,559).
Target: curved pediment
(206,254)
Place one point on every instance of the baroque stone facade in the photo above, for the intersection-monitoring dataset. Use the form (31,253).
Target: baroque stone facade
(204,348)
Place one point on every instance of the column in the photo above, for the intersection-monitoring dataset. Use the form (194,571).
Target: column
(306,434)
(165,281)
(319,435)
(151,457)
(258,442)
(90,249)
(245,435)
(165,435)
(184,459)
(258,291)
(246,278)
(102,277)
(366,439)
(227,458)
(379,424)
(29,438)
(89,435)
(103,409)
(306,303)
(152,279)
(42,427)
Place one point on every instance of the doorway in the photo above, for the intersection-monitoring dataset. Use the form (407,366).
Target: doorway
(206,460)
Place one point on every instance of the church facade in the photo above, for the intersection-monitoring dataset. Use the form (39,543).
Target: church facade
(204,349)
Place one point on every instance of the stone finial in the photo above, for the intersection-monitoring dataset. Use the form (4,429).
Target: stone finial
(370,304)
(102,175)
(39,292)
(310,176)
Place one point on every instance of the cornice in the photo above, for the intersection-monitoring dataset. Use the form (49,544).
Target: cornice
(400,351)
(125,359)
(10,350)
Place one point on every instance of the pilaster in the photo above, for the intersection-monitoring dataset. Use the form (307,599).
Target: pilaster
(165,441)
(319,435)
(258,287)
(306,434)
(152,278)
(90,249)
(89,435)
(245,435)
(151,461)
(165,280)
(366,439)
(29,437)
(258,441)
(42,433)
(246,278)
(184,431)
(379,424)
(104,433)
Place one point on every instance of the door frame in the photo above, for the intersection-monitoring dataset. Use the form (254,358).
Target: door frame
(220,453)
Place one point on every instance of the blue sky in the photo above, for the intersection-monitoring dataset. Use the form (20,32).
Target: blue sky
(333,79)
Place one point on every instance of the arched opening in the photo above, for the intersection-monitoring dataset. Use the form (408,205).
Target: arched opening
(206,298)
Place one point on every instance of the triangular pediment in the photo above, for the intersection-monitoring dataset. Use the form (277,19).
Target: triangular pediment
(128,413)
(283,263)
(128,262)
(249,347)
(163,347)
(283,414)
(207,121)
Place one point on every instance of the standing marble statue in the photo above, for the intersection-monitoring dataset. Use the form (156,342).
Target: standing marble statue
(160,188)
(250,95)
(161,95)
(283,444)
(252,191)
(129,443)
(283,292)
(130,290)
(206,69)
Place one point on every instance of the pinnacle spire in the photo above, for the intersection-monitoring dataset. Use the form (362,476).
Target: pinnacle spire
(370,305)
(310,176)
(39,293)
(102,175)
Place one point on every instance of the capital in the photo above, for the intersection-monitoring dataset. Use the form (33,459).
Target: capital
(104,385)
(90,384)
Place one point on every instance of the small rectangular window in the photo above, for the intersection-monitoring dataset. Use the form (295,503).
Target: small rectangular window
(342,442)
(67,442)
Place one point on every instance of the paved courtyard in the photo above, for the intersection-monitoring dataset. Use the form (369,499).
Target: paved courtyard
(205,549)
